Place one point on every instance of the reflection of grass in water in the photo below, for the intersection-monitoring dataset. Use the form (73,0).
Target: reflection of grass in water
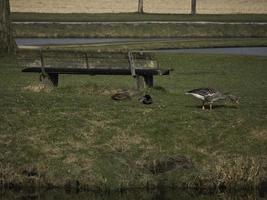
(76,133)
(131,195)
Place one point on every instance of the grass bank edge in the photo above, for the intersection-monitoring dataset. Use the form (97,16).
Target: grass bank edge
(140,30)
(123,17)
(157,45)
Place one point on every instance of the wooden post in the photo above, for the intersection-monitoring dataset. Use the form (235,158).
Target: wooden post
(42,63)
(193,7)
(86,60)
(140,83)
(131,63)
(149,81)
(53,77)
(47,78)
(7,42)
(140,6)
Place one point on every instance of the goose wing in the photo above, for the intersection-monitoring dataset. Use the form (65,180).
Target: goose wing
(203,92)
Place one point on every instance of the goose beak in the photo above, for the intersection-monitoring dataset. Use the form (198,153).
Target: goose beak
(237,100)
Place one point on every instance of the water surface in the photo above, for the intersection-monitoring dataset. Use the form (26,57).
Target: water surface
(131,195)
(255,51)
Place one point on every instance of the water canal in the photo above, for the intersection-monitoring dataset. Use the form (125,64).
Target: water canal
(130,195)
(255,51)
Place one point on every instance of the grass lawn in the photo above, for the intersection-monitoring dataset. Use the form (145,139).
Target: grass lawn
(122,17)
(77,136)
(140,30)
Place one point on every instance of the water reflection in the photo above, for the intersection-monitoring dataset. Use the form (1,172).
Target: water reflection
(131,195)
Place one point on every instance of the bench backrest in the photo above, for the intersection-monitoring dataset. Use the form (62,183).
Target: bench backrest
(65,59)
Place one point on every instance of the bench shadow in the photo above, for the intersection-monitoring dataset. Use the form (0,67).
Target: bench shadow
(160,88)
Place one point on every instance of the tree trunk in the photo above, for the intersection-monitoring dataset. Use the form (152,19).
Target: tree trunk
(193,7)
(140,6)
(7,43)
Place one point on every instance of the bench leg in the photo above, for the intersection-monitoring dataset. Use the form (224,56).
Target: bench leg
(49,79)
(140,84)
(53,78)
(149,81)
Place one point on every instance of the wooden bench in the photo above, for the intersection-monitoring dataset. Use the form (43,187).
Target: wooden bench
(49,64)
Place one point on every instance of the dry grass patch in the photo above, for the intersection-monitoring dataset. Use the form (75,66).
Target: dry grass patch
(259,134)
(150,6)
(51,151)
(74,6)
(230,6)
(123,142)
(71,159)
(232,172)
(103,91)
(38,88)
(167,6)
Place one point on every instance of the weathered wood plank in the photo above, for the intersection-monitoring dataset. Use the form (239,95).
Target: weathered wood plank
(84,60)
(99,71)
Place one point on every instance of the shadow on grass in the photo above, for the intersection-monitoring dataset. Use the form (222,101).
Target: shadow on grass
(160,88)
(200,73)
(214,107)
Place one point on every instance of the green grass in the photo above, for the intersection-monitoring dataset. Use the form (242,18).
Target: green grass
(52,17)
(140,30)
(76,134)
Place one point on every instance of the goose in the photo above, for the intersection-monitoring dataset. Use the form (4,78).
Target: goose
(210,95)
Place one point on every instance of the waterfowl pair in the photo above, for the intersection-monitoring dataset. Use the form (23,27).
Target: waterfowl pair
(123,95)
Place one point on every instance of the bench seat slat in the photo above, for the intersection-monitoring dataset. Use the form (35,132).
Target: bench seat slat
(99,71)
